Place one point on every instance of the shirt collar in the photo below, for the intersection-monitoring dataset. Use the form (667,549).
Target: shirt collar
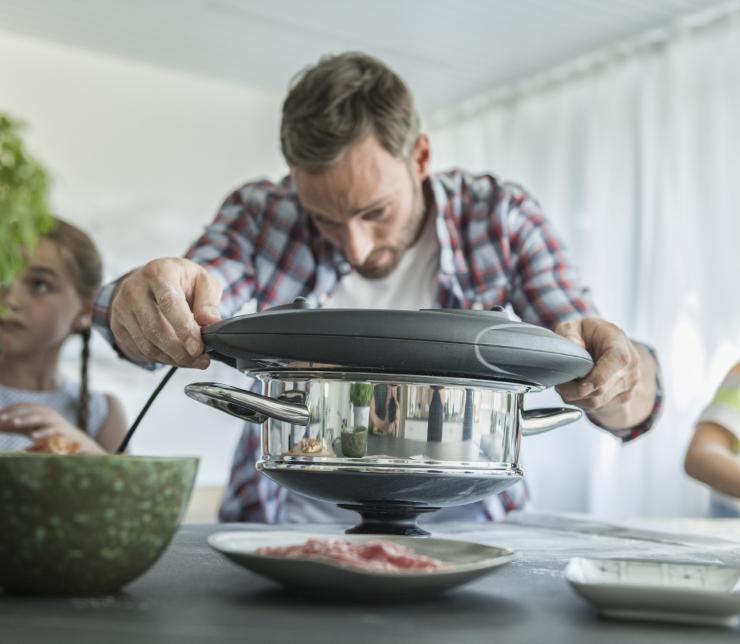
(445,202)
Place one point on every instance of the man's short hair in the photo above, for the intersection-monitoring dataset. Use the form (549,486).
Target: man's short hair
(339,100)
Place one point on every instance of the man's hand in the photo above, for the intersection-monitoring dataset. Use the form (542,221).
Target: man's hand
(619,392)
(158,310)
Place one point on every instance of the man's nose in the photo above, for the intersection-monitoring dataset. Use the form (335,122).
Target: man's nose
(358,243)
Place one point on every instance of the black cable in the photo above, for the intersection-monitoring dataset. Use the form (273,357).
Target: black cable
(124,444)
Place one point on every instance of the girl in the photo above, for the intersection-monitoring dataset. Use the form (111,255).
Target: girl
(713,456)
(51,301)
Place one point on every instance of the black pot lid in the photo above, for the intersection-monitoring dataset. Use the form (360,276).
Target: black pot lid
(457,343)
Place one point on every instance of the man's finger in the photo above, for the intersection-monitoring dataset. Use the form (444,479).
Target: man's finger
(154,354)
(175,311)
(125,343)
(125,328)
(596,401)
(133,334)
(610,367)
(123,324)
(568,391)
(571,330)
(611,375)
(206,299)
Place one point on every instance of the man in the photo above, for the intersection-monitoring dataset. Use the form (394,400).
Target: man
(360,222)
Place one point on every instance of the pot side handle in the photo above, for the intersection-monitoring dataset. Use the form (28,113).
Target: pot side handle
(248,405)
(538,421)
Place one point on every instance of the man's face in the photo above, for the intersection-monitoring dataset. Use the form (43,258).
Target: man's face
(369,204)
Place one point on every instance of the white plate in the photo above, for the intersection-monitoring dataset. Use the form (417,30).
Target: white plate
(465,561)
(659,590)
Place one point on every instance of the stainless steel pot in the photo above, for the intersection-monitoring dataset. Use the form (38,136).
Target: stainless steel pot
(387,446)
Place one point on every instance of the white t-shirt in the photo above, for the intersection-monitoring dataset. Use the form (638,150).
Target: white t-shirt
(411,286)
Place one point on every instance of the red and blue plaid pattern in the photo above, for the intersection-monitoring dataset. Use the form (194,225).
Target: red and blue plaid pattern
(496,248)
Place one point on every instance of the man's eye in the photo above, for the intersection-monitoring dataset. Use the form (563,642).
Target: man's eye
(374,214)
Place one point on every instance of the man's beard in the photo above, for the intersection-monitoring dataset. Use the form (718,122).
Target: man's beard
(408,235)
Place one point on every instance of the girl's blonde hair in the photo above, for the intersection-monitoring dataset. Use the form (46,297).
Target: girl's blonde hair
(84,264)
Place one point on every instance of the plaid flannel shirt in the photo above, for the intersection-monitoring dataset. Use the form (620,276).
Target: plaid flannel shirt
(496,248)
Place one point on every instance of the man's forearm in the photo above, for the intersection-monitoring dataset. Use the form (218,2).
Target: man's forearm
(620,415)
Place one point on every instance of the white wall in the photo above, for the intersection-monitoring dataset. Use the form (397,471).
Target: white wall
(141,157)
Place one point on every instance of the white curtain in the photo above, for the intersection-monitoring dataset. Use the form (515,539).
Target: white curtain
(637,161)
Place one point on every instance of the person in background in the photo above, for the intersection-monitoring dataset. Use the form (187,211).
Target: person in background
(361,222)
(713,456)
(51,301)
(384,409)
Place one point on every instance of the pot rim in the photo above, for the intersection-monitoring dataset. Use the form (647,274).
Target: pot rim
(448,468)
(393,378)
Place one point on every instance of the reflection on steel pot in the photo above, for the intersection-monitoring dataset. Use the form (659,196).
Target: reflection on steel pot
(354,443)
(432,438)
(441,444)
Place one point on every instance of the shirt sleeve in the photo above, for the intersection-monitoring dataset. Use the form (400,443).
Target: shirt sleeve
(101,313)
(545,285)
(250,495)
(226,249)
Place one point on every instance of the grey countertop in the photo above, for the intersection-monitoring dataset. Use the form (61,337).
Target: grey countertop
(194,595)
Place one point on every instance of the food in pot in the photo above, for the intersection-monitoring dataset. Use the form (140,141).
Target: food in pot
(312,447)
(55,444)
(371,556)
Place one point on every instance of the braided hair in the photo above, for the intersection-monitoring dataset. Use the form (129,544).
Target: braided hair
(83,401)
(82,260)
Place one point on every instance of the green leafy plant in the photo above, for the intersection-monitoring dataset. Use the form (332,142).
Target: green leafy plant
(24,209)
(361,393)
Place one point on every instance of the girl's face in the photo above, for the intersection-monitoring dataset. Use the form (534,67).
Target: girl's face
(43,307)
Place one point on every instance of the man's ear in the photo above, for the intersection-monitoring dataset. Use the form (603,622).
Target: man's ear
(420,157)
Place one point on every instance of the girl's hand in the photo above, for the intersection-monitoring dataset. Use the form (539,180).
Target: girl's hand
(39,421)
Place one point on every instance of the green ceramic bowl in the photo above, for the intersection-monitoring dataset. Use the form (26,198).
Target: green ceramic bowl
(86,524)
